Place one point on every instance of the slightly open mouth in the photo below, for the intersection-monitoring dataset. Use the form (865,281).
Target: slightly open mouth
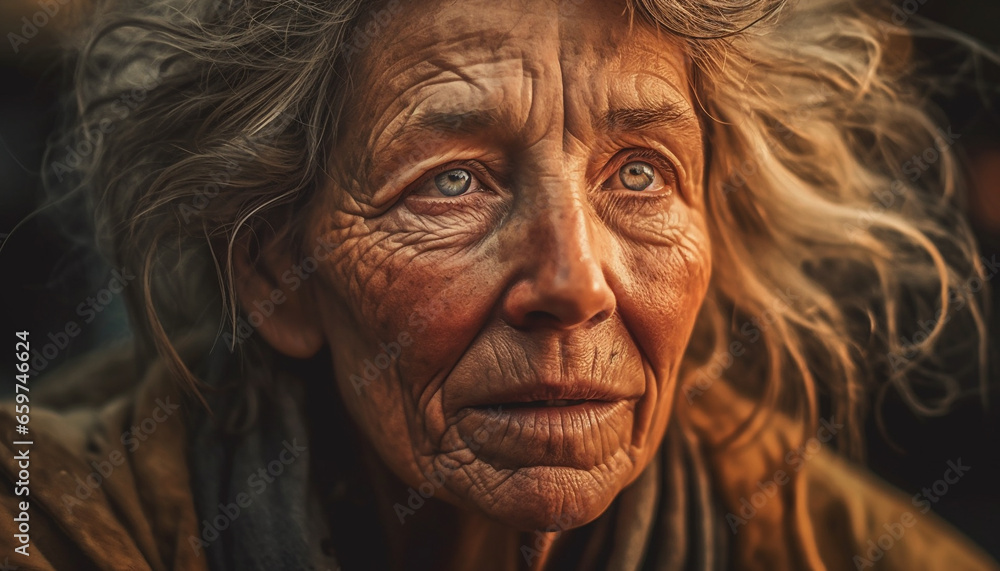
(541,404)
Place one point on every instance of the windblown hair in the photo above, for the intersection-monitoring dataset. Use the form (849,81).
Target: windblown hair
(834,266)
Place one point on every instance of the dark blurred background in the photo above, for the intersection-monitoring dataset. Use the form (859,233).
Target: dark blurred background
(47,274)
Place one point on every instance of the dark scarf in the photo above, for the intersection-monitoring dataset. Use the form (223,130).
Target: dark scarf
(665,521)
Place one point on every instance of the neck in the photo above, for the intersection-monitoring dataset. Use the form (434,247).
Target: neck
(485,544)
(433,534)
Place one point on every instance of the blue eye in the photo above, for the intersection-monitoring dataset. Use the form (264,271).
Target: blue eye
(637,175)
(453,182)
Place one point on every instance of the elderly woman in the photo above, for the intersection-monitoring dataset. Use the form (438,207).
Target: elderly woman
(480,285)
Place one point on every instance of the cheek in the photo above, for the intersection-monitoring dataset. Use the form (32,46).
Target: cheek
(665,276)
(400,306)
(425,306)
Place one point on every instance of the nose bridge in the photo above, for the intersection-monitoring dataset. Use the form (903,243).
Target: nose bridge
(567,253)
(555,204)
(561,247)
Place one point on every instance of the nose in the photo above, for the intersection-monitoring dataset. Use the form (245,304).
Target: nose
(562,284)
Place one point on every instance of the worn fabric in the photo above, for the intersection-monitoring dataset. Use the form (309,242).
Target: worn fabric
(128,481)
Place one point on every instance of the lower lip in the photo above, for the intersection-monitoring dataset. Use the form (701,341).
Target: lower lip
(576,435)
(542,411)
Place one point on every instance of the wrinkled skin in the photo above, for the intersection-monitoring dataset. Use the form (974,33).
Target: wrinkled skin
(547,278)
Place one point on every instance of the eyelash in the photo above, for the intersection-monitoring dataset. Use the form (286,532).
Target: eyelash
(481,175)
(665,166)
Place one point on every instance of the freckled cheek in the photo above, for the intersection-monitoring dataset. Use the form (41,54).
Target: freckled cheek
(446,308)
(425,306)
(667,286)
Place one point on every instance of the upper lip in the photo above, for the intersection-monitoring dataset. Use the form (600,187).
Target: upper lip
(543,369)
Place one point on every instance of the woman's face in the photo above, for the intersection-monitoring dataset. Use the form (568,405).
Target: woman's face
(517,199)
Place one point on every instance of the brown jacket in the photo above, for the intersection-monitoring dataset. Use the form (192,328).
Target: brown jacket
(109,487)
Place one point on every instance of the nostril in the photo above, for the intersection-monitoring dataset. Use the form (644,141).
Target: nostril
(538,316)
(600,316)
(541,301)
(550,318)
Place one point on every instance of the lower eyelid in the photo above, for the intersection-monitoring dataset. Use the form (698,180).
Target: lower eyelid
(478,203)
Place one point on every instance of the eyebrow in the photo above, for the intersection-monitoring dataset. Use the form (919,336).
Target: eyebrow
(468,123)
(669,114)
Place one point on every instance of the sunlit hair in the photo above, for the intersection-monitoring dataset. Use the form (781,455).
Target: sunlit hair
(828,254)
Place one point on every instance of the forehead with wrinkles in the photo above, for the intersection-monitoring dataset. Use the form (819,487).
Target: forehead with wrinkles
(517,74)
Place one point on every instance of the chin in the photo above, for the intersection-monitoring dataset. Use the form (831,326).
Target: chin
(549,498)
